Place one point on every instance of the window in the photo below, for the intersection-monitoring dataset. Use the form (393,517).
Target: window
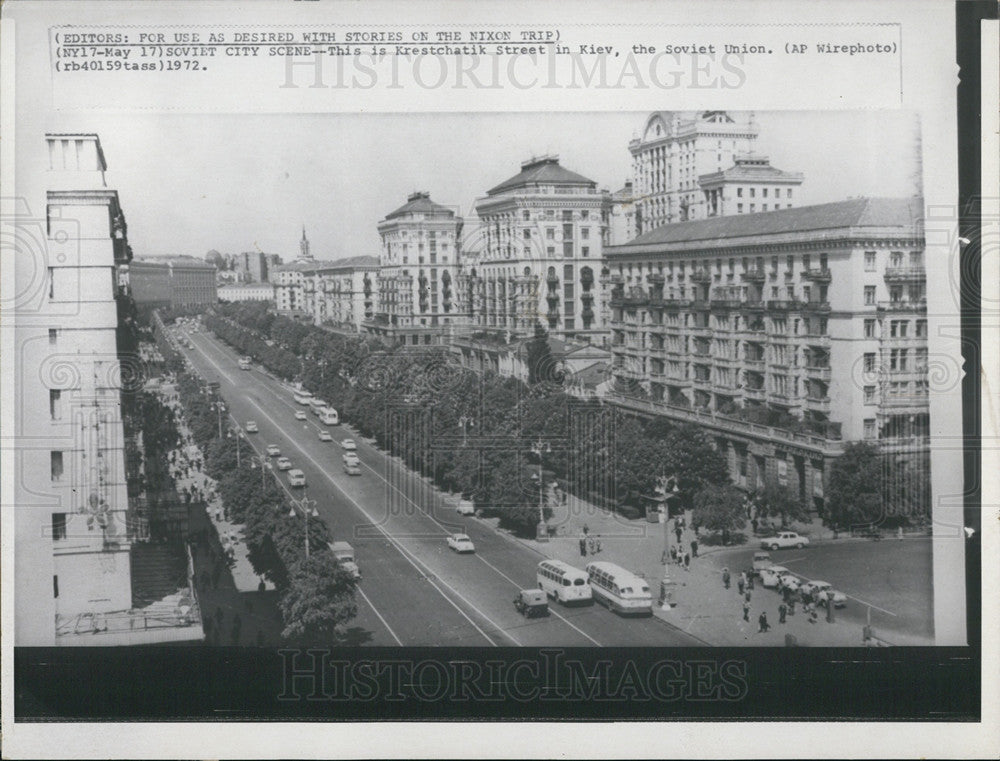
(869,328)
(53,335)
(789,194)
(753,192)
(897,359)
(739,208)
(550,233)
(869,261)
(526,215)
(869,295)
(55,586)
(55,404)
(567,215)
(567,271)
(527,233)
(584,214)
(56,465)
(739,192)
(585,251)
(58,526)
(869,395)
(568,249)
(585,233)
(777,192)
(764,207)
(753,207)
(921,328)
(870,428)
(765,192)
(869,362)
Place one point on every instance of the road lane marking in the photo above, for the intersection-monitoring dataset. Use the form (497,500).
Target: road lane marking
(443,528)
(384,622)
(405,553)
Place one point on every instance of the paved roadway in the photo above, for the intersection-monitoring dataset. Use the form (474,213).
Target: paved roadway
(414,591)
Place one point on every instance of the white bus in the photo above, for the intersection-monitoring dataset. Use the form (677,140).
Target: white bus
(563,582)
(620,590)
(317,405)
(328,416)
(301,396)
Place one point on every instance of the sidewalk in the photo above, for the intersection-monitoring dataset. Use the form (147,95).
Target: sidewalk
(703,607)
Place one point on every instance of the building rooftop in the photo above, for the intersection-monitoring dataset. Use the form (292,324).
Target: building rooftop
(420,203)
(187,261)
(542,171)
(593,375)
(904,214)
(751,169)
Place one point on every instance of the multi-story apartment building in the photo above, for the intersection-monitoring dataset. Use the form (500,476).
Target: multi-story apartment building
(192,281)
(341,293)
(418,301)
(690,166)
(150,283)
(289,279)
(247,292)
(76,532)
(542,235)
(816,313)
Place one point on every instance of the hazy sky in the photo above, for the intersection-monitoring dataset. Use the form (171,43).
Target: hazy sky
(189,184)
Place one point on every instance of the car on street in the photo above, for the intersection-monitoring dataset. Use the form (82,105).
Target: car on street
(296,477)
(325,436)
(769,576)
(461,543)
(352,469)
(348,444)
(273,450)
(466,507)
(284,463)
(251,426)
(350,458)
(789,580)
(785,539)
(815,588)
(300,415)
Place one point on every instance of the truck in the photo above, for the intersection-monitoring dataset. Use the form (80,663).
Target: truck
(345,556)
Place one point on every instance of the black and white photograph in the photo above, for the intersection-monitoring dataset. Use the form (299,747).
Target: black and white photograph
(417,411)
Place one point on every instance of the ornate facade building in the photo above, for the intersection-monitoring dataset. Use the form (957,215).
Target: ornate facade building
(342,293)
(541,238)
(418,301)
(783,333)
(690,166)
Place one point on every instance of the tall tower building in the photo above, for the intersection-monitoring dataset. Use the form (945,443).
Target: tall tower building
(689,166)
(304,254)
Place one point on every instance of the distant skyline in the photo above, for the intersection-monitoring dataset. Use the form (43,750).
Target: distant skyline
(193,183)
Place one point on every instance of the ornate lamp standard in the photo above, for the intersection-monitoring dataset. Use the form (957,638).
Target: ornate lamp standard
(308,507)
(541,448)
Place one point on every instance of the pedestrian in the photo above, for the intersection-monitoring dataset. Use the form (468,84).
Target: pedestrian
(725,577)
(743,577)
(586,529)
(694,548)
(746,611)
(750,582)
(583,546)
(673,554)
(762,625)
(747,596)
(754,524)
(677,531)
(597,543)
(740,585)
(782,612)
(687,562)
(262,587)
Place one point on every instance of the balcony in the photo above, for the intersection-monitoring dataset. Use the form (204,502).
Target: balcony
(819,372)
(628,372)
(815,306)
(654,277)
(920,305)
(756,363)
(817,274)
(759,394)
(700,305)
(702,382)
(754,305)
(754,276)
(701,276)
(905,275)
(719,304)
(818,404)
(783,305)
(612,279)
(785,398)
(728,361)
(635,301)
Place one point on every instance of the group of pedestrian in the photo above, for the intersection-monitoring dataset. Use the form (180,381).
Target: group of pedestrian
(745,587)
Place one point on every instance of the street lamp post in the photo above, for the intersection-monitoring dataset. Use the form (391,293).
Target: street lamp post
(465,422)
(666,490)
(308,509)
(541,448)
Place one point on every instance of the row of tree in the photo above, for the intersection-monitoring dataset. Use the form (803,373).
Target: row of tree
(316,594)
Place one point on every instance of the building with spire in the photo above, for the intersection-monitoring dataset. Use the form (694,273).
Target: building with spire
(304,254)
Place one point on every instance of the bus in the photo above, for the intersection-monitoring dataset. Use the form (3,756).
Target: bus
(563,582)
(619,590)
(329,416)
(317,405)
(301,396)
(244,363)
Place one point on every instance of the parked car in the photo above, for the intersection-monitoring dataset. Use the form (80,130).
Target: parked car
(785,539)
(284,463)
(815,587)
(300,415)
(273,450)
(461,543)
(769,576)
(251,426)
(789,580)
(349,445)
(325,436)
(352,469)
(466,507)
